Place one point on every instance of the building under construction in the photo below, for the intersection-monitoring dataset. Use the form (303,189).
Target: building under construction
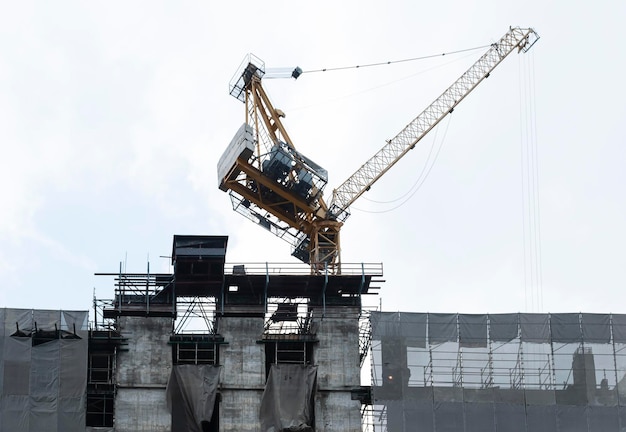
(216,346)
(257,347)
(229,347)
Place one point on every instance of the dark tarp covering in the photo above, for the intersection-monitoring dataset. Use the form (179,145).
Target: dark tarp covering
(442,328)
(473,330)
(546,373)
(596,328)
(410,326)
(287,403)
(619,328)
(565,327)
(503,327)
(44,379)
(413,328)
(542,418)
(191,392)
(535,328)
(385,324)
(479,417)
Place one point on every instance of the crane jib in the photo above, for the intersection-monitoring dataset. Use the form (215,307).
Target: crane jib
(359,182)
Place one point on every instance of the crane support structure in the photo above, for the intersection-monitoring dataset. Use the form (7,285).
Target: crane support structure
(372,170)
(279,188)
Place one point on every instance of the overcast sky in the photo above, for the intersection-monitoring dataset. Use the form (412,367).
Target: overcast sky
(113,116)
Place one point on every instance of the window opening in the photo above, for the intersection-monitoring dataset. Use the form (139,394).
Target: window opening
(101,368)
(194,350)
(288,352)
(100,410)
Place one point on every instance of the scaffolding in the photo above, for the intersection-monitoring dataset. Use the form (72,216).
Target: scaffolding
(565,372)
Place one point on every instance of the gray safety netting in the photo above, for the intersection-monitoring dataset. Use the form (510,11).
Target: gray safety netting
(43,367)
(191,393)
(499,372)
(287,403)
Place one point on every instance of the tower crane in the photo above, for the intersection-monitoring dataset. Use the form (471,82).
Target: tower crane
(277,187)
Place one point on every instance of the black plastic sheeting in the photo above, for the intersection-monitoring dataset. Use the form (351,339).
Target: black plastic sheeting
(43,381)
(191,392)
(287,403)
(474,330)
(499,372)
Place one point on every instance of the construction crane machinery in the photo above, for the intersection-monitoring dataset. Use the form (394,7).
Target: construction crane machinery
(279,188)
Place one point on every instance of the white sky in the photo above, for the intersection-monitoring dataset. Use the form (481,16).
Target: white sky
(113,116)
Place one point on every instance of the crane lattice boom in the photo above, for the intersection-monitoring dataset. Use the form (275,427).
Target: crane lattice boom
(396,148)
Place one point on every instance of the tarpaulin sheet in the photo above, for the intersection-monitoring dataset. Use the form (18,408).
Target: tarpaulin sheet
(385,324)
(419,414)
(15,413)
(442,328)
(410,416)
(72,373)
(448,417)
(17,357)
(603,418)
(75,320)
(510,418)
(413,328)
(549,373)
(409,326)
(71,414)
(480,417)
(565,328)
(191,392)
(596,328)
(572,418)
(542,418)
(473,330)
(535,327)
(18,318)
(619,328)
(44,379)
(287,403)
(503,327)
(46,319)
(44,369)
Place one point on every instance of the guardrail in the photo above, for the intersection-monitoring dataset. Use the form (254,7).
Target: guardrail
(264,268)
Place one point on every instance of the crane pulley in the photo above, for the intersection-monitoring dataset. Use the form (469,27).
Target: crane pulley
(277,187)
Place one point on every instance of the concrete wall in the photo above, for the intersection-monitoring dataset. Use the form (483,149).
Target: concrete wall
(243,374)
(337,353)
(239,410)
(335,411)
(337,359)
(142,373)
(139,410)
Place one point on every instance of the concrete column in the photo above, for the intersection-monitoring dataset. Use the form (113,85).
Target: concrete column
(337,358)
(243,374)
(141,375)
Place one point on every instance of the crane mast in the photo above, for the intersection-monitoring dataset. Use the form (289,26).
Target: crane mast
(275,186)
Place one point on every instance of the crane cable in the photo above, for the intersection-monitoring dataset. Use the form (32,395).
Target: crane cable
(333,69)
(531,226)
(420,179)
